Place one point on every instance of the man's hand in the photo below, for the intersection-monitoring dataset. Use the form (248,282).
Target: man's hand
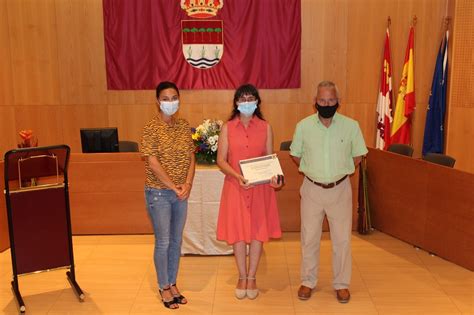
(357,160)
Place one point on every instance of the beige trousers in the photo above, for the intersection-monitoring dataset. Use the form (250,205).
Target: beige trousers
(336,203)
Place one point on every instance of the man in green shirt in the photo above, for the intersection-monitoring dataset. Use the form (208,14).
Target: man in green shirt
(327,146)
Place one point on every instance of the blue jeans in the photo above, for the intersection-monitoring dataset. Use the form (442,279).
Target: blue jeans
(168,215)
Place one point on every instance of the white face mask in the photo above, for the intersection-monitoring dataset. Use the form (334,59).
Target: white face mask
(169,108)
(247,108)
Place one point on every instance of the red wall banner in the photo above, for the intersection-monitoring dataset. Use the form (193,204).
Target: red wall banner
(202,44)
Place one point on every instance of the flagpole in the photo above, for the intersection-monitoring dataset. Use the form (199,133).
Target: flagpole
(412,118)
(447,21)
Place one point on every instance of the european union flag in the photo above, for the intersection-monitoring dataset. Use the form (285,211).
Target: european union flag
(433,141)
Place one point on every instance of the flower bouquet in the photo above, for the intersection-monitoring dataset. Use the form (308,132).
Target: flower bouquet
(205,138)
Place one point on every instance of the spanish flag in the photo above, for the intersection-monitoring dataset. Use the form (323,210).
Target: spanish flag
(406,97)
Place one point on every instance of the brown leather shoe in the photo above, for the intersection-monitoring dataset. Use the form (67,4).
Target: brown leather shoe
(343,295)
(304,292)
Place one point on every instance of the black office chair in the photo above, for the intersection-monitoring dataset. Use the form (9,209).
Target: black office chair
(403,149)
(441,159)
(128,146)
(285,146)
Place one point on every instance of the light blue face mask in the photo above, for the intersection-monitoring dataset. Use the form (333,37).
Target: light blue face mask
(247,108)
(169,108)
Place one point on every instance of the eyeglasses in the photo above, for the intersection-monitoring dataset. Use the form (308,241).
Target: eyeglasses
(244,99)
(326,102)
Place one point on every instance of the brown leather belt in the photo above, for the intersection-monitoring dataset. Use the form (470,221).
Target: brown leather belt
(326,186)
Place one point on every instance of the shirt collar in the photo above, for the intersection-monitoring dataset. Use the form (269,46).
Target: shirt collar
(335,118)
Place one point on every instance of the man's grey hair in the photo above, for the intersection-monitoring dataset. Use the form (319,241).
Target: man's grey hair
(328,84)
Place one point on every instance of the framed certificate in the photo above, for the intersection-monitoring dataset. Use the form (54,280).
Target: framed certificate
(260,170)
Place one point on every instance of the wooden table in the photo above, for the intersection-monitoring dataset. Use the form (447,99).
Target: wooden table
(425,204)
(107,195)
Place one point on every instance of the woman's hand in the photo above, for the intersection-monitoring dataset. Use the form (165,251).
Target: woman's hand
(178,190)
(184,190)
(243,182)
(274,182)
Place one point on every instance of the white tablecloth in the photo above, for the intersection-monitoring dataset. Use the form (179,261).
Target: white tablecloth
(199,235)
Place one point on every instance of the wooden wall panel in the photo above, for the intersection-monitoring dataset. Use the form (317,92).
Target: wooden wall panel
(75,117)
(460,133)
(194,97)
(363,70)
(34,51)
(280,116)
(220,111)
(44,120)
(130,97)
(329,31)
(6,87)
(193,113)
(7,130)
(82,75)
(461,138)
(52,53)
(130,119)
(362,113)
(463,41)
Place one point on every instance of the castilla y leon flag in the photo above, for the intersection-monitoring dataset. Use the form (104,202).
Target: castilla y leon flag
(202,44)
(384,101)
(406,97)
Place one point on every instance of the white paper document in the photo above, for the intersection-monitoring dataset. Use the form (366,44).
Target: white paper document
(260,170)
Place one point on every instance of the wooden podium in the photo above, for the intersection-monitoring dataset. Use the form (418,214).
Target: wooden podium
(37,199)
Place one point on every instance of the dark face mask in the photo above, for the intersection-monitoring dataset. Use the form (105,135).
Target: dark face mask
(327,111)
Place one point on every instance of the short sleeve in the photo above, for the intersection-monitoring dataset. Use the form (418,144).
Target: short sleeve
(358,144)
(296,148)
(189,135)
(148,145)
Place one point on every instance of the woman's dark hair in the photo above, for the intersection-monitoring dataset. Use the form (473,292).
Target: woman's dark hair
(165,85)
(246,89)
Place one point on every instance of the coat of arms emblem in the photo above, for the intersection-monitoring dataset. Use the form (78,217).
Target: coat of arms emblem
(203,38)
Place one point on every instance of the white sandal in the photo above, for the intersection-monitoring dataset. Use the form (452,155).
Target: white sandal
(252,293)
(240,293)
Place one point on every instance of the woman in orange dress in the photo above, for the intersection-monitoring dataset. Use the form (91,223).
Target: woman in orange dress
(248,214)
